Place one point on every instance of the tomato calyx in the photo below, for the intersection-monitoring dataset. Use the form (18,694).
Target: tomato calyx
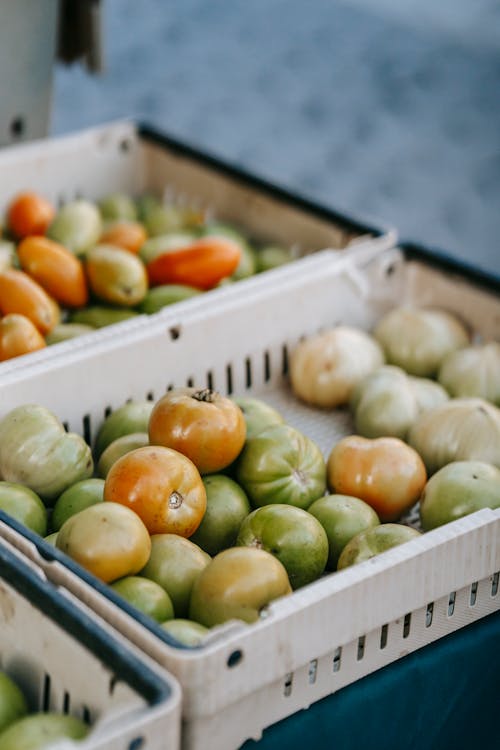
(206,395)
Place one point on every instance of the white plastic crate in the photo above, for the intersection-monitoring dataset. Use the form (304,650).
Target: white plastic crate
(65,659)
(347,624)
(125,157)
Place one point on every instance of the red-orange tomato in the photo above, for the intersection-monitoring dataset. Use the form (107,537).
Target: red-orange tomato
(203,425)
(29,213)
(384,472)
(201,264)
(56,269)
(18,336)
(161,486)
(19,293)
(130,235)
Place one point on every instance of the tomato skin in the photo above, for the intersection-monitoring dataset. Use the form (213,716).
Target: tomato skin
(203,425)
(201,264)
(56,269)
(107,539)
(129,235)
(18,335)
(21,294)
(162,486)
(29,213)
(384,472)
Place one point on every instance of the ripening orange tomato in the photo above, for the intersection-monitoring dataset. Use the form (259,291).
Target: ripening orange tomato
(18,335)
(19,293)
(29,213)
(56,269)
(385,472)
(130,235)
(201,264)
(162,486)
(200,423)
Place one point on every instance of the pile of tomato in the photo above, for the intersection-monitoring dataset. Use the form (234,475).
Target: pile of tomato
(66,272)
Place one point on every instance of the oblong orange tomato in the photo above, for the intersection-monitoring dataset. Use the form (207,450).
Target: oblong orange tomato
(56,269)
(201,264)
(129,235)
(385,472)
(200,423)
(29,213)
(162,486)
(19,293)
(18,335)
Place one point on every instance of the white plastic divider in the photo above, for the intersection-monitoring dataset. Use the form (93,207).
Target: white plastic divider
(121,157)
(346,624)
(67,660)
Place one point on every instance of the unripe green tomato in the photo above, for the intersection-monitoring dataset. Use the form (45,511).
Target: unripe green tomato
(372,542)
(146,596)
(77,226)
(342,517)
(24,505)
(75,498)
(227,507)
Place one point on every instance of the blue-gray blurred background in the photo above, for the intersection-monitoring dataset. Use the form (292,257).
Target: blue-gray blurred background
(387,109)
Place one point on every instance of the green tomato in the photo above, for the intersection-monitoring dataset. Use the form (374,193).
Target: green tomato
(384,404)
(146,596)
(24,505)
(281,465)
(258,415)
(67,331)
(166,294)
(40,730)
(100,316)
(293,536)
(373,541)
(12,702)
(77,226)
(51,539)
(237,584)
(118,206)
(186,632)
(161,219)
(175,563)
(35,450)
(272,257)
(131,417)
(80,495)
(459,488)
(342,517)
(119,448)
(227,506)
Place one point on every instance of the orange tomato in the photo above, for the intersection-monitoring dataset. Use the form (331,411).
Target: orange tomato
(384,472)
(203,425)
(56,269)
(18,336)
(162,486)
(29,213)
(130,235)
(19,293)
(201,264)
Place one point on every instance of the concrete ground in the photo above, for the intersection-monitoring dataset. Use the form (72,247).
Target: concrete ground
(387,109)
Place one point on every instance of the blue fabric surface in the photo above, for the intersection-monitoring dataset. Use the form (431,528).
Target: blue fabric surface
(445,696)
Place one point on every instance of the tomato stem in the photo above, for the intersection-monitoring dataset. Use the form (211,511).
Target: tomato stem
(205,394)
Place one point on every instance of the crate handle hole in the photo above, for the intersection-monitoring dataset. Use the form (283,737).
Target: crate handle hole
(175,332)
(136,743)
(234,658)
(361,647)
(125,145)
(451,603)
